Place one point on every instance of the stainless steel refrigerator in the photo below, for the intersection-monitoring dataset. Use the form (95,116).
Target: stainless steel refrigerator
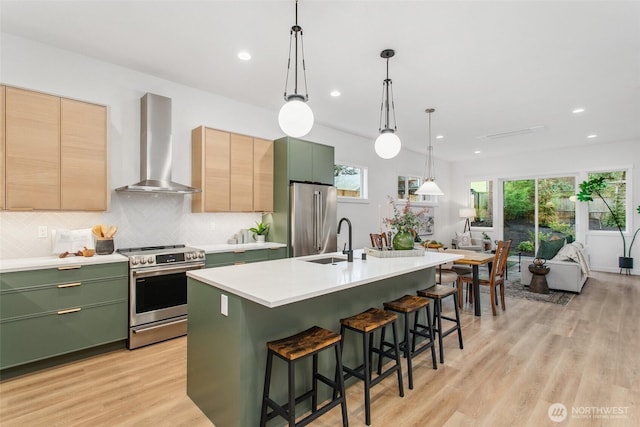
(313,219)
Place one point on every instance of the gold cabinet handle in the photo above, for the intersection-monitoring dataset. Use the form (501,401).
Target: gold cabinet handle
(71,310)
(69,267)
(239,263)
(69,285)
(240,251)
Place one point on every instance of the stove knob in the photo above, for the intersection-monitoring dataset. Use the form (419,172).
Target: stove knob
(141,260)
(134,261)
(200,254)
(188,256)
(150,260)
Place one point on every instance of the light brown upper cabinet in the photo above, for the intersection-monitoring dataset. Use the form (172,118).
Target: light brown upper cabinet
(32,150)
(83,149)
(55,153)
(234,171)
(262,175)
(241,164)
(2,91)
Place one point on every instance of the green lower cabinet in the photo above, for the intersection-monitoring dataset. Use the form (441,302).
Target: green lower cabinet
(25,340)
(220,259)
(51,312)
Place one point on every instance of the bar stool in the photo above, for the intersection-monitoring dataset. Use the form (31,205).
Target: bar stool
(293,349)
(407,305)
(437,293)
(366,323)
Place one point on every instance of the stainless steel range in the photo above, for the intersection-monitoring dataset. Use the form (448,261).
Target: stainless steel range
(158,291)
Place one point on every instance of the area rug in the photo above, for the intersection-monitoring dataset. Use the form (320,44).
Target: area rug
(515,289)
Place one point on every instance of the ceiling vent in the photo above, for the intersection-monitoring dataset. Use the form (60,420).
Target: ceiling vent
(511,133)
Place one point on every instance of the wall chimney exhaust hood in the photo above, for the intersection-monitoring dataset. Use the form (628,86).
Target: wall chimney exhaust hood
(155,149)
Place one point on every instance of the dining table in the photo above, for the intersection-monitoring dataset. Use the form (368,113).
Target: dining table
(475,260)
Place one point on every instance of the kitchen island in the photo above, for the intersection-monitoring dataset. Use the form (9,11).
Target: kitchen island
(235,310)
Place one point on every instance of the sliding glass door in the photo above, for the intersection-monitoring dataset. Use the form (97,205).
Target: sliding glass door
(519,210)
(539,209)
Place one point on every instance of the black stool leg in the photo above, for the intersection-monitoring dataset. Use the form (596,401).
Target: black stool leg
(340,382)
(265,393)
(314,395)
(397,351)
(367,376)
(437,312)
(407,355)
(433,346)
(292,394)
(455,302)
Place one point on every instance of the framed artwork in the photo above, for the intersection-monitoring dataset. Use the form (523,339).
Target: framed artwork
(425,214)
(426,221)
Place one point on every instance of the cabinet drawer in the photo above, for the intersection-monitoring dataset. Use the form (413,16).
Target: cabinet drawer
(220,259)
(277,253)
(35,300)
(65,274)
(29,339)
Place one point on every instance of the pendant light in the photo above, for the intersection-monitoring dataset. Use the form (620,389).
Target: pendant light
(429,186)
(295,117)
(388,144)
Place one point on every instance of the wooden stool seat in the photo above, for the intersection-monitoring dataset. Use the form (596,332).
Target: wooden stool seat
(438,291)
(369,320)
(305,343)
(291,349)
(406,304)
(366,324)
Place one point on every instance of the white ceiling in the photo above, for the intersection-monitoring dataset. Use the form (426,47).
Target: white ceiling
(487,67)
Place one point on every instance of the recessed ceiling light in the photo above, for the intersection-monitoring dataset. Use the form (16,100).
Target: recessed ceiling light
(335,93)
(593,135)
(577,110)
(244,55)
(477,152)
(439,136)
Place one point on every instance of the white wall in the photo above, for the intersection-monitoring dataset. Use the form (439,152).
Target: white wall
(604,248)
(147,219)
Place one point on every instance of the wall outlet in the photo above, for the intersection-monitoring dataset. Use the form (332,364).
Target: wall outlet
(224,305)
(43,232)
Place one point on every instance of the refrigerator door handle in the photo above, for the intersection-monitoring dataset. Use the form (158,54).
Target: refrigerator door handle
(317,221)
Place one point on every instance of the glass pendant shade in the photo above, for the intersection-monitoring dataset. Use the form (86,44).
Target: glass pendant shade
(429,188)
(387,145)
(295,118)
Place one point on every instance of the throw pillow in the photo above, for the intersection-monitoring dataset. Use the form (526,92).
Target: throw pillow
(464,239)
(549,249)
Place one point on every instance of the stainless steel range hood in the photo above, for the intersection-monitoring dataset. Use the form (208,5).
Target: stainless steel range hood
(155,149)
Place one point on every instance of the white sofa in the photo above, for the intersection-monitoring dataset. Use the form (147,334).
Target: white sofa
(565,274)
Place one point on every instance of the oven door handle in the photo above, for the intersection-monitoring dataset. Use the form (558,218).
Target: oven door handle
(166,270)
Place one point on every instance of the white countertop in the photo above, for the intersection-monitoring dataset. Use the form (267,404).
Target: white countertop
(224,247)
(284,281)
(38,263)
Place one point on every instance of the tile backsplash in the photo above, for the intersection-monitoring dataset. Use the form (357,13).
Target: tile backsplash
(142,219)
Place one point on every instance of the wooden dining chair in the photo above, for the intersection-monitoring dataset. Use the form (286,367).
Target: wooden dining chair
(378,241)
(496,276)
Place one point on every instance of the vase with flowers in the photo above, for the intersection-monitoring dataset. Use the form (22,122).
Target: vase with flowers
(403,221)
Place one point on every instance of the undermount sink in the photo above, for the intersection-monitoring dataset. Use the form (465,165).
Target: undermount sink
(327,260)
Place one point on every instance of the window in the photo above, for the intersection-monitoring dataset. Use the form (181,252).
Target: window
(537,210)
(482,201)
(350,181)
(615,193)
(407,186)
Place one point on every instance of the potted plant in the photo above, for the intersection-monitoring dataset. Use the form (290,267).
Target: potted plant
(486,241)
(403,221)
(594,187)
(260,231)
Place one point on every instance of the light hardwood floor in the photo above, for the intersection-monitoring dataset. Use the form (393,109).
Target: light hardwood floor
(513,367)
